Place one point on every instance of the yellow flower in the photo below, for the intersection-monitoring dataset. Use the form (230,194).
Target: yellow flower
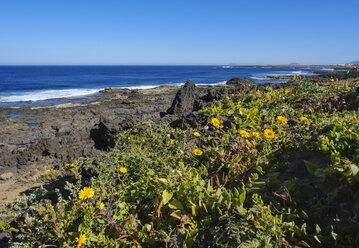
(332,80)
(305,119)
(81,239)
(255,134)
(48,171)
(67,164)
(86,193)
(197,134)
(123,170)
(216,122)
(269,134)
(172,141)
(11,229)
(27,220)
(29,229)
(282,119)
(42,210)
(197,152)
(73,169)
(100,205)
(243,133)
(72,165)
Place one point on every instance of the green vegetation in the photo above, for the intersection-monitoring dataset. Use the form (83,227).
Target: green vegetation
(272,168)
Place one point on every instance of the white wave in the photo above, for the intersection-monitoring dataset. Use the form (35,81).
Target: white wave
(297,72)
(258,78)
(327,69)
(146,87)
(307,73)
(71,93)
(227,66)
(220,83)
(290,73)
(217,83)
(47,94)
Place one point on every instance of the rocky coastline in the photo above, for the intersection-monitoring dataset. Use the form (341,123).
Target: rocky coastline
(36,139)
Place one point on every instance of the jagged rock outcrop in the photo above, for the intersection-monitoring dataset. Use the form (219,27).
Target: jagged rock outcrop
(184,99)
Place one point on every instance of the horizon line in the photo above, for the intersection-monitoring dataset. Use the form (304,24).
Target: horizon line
(230,64)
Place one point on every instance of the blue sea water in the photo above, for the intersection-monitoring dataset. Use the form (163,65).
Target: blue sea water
(36,85)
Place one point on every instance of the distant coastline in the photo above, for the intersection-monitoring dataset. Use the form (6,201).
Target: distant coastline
(297,66)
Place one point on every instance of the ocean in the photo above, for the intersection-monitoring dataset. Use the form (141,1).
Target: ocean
(37,85)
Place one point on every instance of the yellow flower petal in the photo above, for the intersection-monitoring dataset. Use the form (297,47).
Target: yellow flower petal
(244,133)
(216,123)
(282,119)
(81,239)
(86,193)
(269,134)
(198,152)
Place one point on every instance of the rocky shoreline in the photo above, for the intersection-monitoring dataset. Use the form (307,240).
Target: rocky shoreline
(36,139)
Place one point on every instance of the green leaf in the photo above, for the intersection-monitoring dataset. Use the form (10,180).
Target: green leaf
(242,196)
(236,193)
(175,204)
(166,196)
(317,239)
(259,169)
(175,214)
(193,208)
(311,168)
(163,180)
(317,228)
(219,211)
(334,235)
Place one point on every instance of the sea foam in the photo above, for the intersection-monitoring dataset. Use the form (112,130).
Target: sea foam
(47,94)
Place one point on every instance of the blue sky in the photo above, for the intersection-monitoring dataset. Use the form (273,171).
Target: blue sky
(178,32)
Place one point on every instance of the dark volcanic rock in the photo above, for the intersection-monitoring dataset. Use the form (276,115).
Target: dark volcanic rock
(192,120)
(73,130)
(184,99)
(190,99)
(4,239)
(240,81)
(104,134)
(339,74)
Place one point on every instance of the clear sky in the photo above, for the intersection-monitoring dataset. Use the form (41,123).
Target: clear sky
(101,32)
